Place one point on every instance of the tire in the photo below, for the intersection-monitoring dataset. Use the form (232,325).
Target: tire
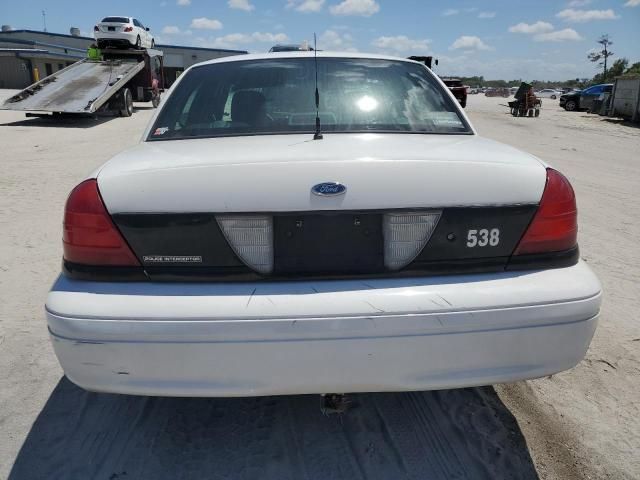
(138,42)
(571,106)
(553,97)
(463,103)
(126,104)
(537,114)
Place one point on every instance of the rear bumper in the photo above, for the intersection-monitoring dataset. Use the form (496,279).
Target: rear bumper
(318,337)
(116,38)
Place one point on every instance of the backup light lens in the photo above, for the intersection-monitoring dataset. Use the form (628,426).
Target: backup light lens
(251,238)
(89,235)
(405,235)
(554,227)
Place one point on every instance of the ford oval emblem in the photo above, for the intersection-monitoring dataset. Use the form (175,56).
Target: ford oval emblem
(328,189)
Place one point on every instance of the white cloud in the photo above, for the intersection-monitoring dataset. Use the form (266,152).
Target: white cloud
(171,30)
(363,8)
(269,37)
(450,11)
(183,3)
(234,40)
(580,16)
(632,3)
(240,5)
(530,28)
(486,14)
(568,34)
(306,6)
(544,32)
(332,40)
(469,42)
(401,44)
(205,23)
(579,3)
(523,67)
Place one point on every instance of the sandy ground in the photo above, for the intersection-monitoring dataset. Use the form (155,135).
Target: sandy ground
(584,423)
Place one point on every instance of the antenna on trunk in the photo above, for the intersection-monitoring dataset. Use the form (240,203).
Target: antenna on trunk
(318,134)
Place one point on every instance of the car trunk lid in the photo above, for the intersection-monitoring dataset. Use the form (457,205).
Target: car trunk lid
(276,174)
(226,208)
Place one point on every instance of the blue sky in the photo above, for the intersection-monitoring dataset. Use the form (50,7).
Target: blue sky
(497,39)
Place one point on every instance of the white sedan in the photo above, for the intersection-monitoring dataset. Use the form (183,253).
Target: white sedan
(266,239)
(548,93)
(122,31)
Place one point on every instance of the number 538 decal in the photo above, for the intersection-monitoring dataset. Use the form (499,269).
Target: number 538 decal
(483,237)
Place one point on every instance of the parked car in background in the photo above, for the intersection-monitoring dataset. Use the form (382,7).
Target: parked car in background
(371,241)
(122,32)
(303,47)
(498,92)
(583,99)
(457,88)
(548,93)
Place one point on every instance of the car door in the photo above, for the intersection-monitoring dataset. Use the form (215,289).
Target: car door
(146,38)
(589,95)
(147,35)
(141,32)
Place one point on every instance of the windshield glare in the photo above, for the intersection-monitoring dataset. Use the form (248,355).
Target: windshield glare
(277,96)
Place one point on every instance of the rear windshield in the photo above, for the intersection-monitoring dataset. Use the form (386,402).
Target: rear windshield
(276,96)
(116,19)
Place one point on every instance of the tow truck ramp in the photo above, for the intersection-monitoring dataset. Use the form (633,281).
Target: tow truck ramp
(81,88)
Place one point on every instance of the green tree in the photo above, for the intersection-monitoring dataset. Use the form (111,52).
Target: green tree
(617,69)
(633,69)
(602,55)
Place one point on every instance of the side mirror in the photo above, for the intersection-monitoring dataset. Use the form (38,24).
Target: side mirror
(436,61)
(147,29)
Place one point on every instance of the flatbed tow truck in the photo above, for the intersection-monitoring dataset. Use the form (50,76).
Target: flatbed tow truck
(88,87)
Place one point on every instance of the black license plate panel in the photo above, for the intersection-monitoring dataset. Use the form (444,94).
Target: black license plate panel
(328,244)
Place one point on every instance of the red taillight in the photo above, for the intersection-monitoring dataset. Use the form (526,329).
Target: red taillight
(555,225)
(128,29)
(95,28)
(89,235)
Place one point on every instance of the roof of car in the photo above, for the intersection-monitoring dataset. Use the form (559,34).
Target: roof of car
(306,54)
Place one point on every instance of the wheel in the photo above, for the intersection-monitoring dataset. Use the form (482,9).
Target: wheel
(553,97)
(155,100)
(126,104)
(530,112)
(537,114)
(570,106)
(138,42)
(463,103)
